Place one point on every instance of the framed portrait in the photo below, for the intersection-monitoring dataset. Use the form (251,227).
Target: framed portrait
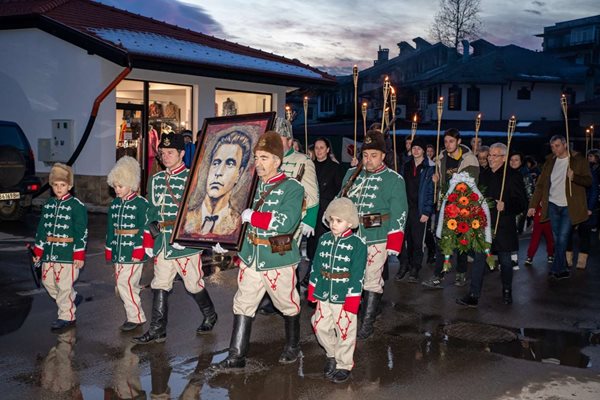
(222,182)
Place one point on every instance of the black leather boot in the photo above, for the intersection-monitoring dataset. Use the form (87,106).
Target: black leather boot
(158,326)
(291,351)
(507,296)
(238,347)
(371,304)
(207,309)
(329,369)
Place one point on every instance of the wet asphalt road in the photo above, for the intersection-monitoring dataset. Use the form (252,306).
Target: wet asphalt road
(555,353)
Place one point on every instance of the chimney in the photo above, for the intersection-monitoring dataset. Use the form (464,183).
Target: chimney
(383,55)
(421,43)
(466,47)
(405,48)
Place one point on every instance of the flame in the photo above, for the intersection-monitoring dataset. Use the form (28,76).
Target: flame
(479,116)
(415,118)
(393,91)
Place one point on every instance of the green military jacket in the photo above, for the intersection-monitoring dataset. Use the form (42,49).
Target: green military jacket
(165,193)
(338,268)
(292,162)
(62,219)
(125,216)
(380,192)
(279,214)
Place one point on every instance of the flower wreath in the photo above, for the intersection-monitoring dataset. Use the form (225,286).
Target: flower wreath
(463,223)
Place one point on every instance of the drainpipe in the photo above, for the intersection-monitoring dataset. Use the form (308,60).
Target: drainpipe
(91,120)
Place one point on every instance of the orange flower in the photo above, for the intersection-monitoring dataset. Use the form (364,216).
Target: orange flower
(464,200)
(452,224)
(461,187)
(475,224)
(464,212)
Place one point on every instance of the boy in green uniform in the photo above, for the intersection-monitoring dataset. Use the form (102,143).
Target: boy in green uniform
(336,285)
(60,243)
(269,255)
(165,194)
(124,233)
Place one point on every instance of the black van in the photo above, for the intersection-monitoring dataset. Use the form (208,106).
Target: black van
(17,172)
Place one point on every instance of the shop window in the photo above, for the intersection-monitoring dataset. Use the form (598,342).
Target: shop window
(228,102)
(454,98)
(473,98)
(524,94)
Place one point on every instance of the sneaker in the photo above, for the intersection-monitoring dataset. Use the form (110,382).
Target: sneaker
(529,262)
(413,279)
(461,279)
(402,271)
(468,301)
(550,259)
(433,283)
(515,265)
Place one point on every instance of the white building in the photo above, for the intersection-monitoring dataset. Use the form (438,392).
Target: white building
(58,57)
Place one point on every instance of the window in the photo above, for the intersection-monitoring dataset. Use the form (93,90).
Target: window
(230,102)
(454,98)
(582,35)
(473,98)
(524,94)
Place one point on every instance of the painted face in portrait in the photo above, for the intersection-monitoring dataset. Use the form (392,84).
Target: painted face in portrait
(225,170)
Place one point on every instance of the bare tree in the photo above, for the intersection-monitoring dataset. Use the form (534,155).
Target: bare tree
(456,20)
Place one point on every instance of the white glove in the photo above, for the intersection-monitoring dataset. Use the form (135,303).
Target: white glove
(177,246)
(149,252)
(393,253)
(307,230)
(218,249)
(247,215)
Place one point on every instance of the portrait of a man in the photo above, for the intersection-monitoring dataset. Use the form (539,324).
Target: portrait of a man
(221,183)
(228,160)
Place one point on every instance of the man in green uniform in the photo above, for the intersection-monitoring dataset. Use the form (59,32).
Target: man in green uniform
(269,255)
(380,197)
(165,193)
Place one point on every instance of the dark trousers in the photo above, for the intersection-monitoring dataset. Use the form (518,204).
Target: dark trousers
(313,241)
(478,271)
(415,238)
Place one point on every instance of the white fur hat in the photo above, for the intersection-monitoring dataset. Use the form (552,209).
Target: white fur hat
(342,208)
(126,172)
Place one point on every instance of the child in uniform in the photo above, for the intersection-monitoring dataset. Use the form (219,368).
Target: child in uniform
(60,243)
(124,232)
(336,281)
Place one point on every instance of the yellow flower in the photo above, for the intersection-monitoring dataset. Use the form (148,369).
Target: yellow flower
(475,224)
(452,224)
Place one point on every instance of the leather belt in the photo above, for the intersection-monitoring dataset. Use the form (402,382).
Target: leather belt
(54,239)
(164,224)
(335,275)
(126,231)
(256,240)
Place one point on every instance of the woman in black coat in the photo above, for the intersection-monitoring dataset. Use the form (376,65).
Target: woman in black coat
(329,176)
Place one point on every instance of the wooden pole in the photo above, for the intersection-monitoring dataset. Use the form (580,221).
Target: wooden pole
(364,115)
(440,109)
(563,104)
(413,128)
(355,78)
(306,123)
(393,105)
(477,125)
(386,91)
(587,139)
(512,123)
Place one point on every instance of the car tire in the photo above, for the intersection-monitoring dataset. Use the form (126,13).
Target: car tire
(12,210)
(12,166)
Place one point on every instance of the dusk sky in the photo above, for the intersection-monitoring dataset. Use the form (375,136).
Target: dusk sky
(335,34)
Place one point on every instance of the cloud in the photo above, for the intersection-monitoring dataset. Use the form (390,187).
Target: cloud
(536,12)
(539,3)
(188,16)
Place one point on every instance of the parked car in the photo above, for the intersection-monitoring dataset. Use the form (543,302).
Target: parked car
(18,182)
